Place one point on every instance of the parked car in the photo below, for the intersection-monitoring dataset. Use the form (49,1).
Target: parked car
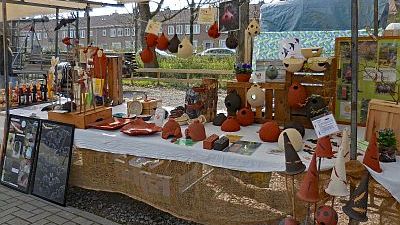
(218,52)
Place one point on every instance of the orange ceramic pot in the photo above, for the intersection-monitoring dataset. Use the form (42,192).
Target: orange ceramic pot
(269,132)
(151,40)
(196,131)
(245,117)
(230,125)
(243,77)
(162,43)
(297,95)
(171,129)
(146,55)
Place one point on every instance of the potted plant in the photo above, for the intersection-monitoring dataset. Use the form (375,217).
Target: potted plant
(387,145)
(243,72)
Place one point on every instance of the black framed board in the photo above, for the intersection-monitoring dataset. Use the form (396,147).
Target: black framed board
(53,161)
(19,153)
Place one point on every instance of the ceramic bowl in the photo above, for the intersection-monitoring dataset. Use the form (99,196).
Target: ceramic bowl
(311,52)
(318,64)
(293,65)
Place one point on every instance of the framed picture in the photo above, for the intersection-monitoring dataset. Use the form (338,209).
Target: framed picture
(229,16)
(53,161)
(19,153)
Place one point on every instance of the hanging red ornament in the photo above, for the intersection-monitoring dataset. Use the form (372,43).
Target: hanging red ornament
(297,95)
(213,31)
(151,40)
(227,17)
(147,55)
(67,41)
(162,43)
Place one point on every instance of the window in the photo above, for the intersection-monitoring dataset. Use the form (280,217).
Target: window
(133,31)
(171,30)
(113,32)
(196,29)
(207,27)
(82,34)
(187,28)
(179,29)
(44,35)
(127,32)
(39,36)
(120,32)
(91,33)
(208,44)
(72,34)
(65,34)
(222,43)
(116,45)
(195,44)
(104,46)
(104,33)
(128,45)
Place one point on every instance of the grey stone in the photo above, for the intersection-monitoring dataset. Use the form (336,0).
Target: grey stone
(18,221)
(6,218)
(82,221)
(39,217)
(23,214)
(56,219)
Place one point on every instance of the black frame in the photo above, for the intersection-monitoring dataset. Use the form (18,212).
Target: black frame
(69,162)
(33,156)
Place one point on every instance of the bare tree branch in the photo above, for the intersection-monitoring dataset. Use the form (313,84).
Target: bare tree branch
(153,14)
(173,15)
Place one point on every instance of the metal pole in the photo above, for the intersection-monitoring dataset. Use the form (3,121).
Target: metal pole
(5,71)
(56,37)
(77,25)
(87,25)
(136,14)
(376,18)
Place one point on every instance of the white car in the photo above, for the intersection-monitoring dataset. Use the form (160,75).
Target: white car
(218,52)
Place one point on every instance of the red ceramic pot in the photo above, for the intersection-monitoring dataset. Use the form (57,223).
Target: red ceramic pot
(162,43)
(171,129)
(269,132)
(230,125)
(243,77)
(151,40)
(297,95)
(245,117)
(196,131)
(213,31)
(147,55)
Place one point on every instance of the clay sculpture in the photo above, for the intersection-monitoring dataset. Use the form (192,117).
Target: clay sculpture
(171,129)
(233,102)
(208,143)
(245,117)
(219,119)
(185,49)
(196,131)
(269,132)
(162,43)
(230,125)
(151,40)
(297,95)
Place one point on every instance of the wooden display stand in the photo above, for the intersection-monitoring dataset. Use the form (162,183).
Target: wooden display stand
(114,79)
(317,83)
(81,120)
(150,106)
(383,114)
(211,94)
(277,110)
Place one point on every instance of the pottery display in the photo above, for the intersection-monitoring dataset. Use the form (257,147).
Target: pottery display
(253,29)
(140,127)
(269,132)
(318,64)
(171,129)
(110,124)
(173,44)
(311,52)
(208,143)
(196,131)
(243,77)
(309,191)
(296,125)
(255,96)
(297,95)
(219,119)
(271,72)
(147,55)
(185,48)
(233,102)
(231,41)
(293,65)
(151,40)
(371,156)
(315,106)
(230,125)
(245,117)
(326,215)
(213,31)
(295,139)
(162,43)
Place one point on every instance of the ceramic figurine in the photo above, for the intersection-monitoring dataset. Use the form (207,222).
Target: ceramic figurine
(269,132)
(185,49)
(233,102)
(253,29)
(338,183)
(174,44)
(162,43)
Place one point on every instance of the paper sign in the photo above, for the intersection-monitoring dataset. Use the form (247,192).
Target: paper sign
(290,48)
(325,125)
(153,27)
(206,16)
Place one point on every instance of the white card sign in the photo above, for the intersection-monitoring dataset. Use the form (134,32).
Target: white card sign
(325,125)
(207,15)
(153,27)
(290,48)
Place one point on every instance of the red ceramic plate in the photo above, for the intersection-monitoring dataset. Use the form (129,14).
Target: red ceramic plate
(110,124)
(140,127)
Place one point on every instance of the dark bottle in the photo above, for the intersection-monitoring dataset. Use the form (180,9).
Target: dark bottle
(28,95)
(34,92)
(43,89)
(21,96)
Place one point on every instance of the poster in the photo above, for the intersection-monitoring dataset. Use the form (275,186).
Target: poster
(229,16)
(243,147)
(206,15)
(20,151)
(290,48)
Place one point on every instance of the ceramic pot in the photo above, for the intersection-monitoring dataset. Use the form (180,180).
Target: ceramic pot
(233,102)
(253,29)
(230,125)
(245,117)
(171,129)
(297,95)
(289,221)
(185,49)
(213,31)
(162,43)
(387,154)
(326,215)
(243,77)
(295,125)
(271,72)
(151,40)
(293,65)
(255,96)
(174,44)
(196,131)
(219,119)
(318,64)
(231,41)
(147,55)
(311,52)
(294,137)
(315,106)
(269,132)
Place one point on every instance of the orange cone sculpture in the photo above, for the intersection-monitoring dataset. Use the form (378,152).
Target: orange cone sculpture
(324,148)
(356,207)
(308,191)
(371,157)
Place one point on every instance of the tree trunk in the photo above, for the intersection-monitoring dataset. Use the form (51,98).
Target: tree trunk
(244,22)
(191,21)
(145,15)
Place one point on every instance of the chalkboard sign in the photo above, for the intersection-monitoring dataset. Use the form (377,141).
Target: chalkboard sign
(53,161)
(19,154)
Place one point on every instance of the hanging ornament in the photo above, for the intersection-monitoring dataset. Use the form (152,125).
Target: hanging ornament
(231,41)
(151,40)
(67,41)
(174,44)
(253,29)
(147,55)
(213,31)
(185,49)
(162,43)
(297,95)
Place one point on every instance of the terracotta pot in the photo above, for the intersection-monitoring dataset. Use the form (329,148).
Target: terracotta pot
(213,31)
(255,96)
(230,125)
(151,40)
(162,43)
(297,95)
(243,77)
(269,132)
(147,55)
(245,117)
(233,102)
(326,215)
(196,131)
(174,44)
(171,129)
(219,119)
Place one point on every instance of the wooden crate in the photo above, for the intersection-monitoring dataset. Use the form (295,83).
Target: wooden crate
(114,79)
(383,114)
(150,106)
(82,120)
(277,110)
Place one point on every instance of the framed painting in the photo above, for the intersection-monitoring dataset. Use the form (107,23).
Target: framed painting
(19,155)
(53,161)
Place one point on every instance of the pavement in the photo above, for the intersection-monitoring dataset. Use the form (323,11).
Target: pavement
(17,208)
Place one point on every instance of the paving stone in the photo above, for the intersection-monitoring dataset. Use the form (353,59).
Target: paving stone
(39,217)
(69,223)
(6,218)
(8,211)
(4,197)
(18,221)
(38,203)
(51,208)
(37,211)
(66,215)
(27,207)
(82,221)
(56,219)
(23,214)
(41,222)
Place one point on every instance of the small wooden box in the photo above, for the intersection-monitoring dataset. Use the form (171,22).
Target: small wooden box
(150,106)
(383,114)
(82,120)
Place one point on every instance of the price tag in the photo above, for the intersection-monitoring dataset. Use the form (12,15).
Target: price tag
(325,125)
(153,27)
(206,16)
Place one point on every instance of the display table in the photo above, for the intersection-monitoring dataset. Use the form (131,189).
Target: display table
(209,187)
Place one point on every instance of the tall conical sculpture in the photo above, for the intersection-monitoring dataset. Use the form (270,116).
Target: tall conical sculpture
(294,165)
(356,207)
(371,157)
(324,148)
(346,144)
(308,191)
(338,184)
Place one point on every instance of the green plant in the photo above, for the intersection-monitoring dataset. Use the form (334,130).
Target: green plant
(243,68)
(387,138)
